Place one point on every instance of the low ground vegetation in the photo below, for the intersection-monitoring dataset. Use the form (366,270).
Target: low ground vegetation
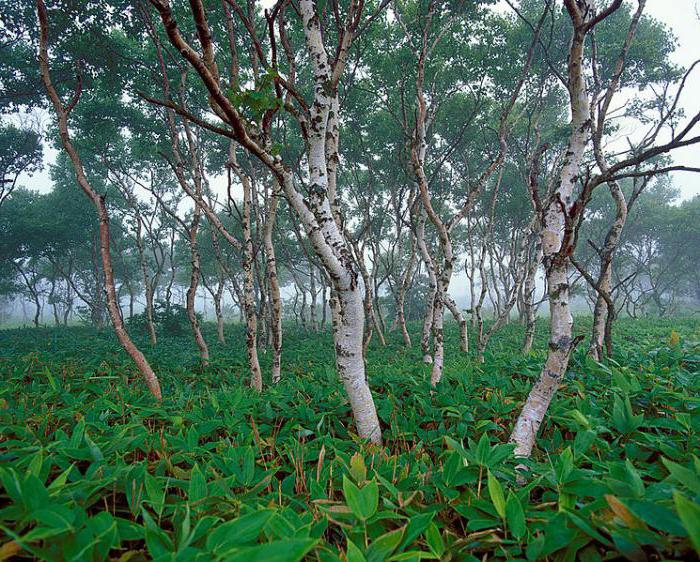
(92,468)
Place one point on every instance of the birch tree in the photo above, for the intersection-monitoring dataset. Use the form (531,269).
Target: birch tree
(318,212)
(564,209)
(62,111)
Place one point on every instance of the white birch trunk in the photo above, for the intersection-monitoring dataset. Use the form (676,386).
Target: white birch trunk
(555,241)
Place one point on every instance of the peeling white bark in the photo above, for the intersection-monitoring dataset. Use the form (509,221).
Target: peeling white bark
(556,240)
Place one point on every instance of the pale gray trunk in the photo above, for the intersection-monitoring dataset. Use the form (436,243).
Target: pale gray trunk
(461,322)
(530,308)
(275,297)
(192,289)
(555,247)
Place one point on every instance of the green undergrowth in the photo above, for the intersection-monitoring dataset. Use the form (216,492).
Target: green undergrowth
(92,468)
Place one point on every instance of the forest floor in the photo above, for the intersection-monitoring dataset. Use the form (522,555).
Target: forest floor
(92,468)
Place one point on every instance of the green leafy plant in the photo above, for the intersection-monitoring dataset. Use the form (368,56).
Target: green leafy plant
(91,468)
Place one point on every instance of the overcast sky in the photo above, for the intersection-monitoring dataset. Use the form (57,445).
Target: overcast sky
(680,15)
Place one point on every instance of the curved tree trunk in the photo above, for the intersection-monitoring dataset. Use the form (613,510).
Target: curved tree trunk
(461,321)
(192,289)
(98,201)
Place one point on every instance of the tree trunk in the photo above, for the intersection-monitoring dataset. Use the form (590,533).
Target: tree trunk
(530,309)
(251,318)
(347,331)
(604,312)
(461,321)
(217,296)
(432,291)
(438,336)
(556,239)
(148,288)
(192,289)
(401,295)
(324,311)
(100,208)
(275,296)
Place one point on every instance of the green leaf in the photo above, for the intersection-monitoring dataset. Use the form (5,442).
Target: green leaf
(623,416)
(158,542)
(383,547)
(354,554)
(95,451)
(515,516)
(198,485)
(433,538)
(496,493)
(59,481)
(238,532)
(358,470)
(689,512)
(483,450)
(55,517)
(291,550)
(155,493)
(34,467)
(683,475)
(363,502)
(416,525)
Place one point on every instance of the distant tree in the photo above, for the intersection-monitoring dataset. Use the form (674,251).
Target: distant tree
(20,152)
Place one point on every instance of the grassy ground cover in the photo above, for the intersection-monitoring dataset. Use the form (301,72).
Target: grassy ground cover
(91,468)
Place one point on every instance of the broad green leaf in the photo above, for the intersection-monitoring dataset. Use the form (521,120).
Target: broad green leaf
(354,554)
(363,502)
(198,485)
(434,540)
(496,494)
(238,532)
(689,512)
(383,547)
(157,540)
(515,516)
(291,550)
(683,475)
(358,470)
(155,493)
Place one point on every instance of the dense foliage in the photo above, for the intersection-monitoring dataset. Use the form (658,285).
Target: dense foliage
(93,469)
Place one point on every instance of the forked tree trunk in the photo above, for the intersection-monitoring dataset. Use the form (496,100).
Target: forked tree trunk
(556,237)
(370,315)
(98,201)
(31,287)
